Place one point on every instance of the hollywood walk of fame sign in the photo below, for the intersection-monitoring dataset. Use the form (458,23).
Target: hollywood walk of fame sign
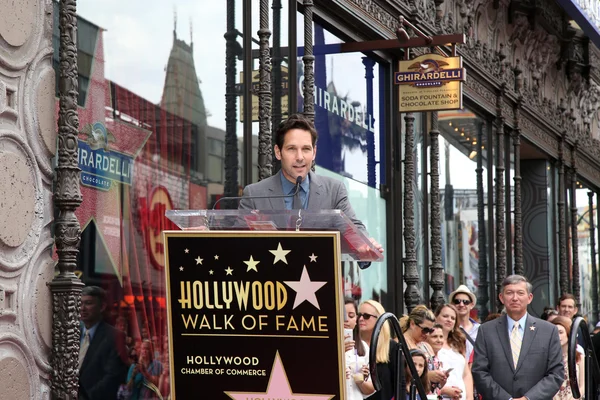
(259,316)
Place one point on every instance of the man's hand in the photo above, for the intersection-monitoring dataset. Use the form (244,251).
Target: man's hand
(376,245)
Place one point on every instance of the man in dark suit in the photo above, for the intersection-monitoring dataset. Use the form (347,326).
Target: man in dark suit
(517,356)
(102,350)
(295,147)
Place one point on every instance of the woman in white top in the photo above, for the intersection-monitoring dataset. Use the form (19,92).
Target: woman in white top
(452,355)
(358,380)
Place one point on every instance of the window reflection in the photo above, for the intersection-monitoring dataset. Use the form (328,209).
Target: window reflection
(584,216)
(462,142)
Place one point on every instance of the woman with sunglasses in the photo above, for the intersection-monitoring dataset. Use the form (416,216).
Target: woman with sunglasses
(452,355)
(386,351)
(358,380)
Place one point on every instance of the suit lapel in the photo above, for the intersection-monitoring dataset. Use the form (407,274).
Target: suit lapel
(276,189)
(315,197)
(502,329)
(528,337)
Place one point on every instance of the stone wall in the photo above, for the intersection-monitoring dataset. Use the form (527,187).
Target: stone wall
(27,146)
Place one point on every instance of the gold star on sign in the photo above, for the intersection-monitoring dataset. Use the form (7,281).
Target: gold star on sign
(228,271)
(251,264)
(313,258)
(211,272)
(216,257)
(181,268)
(279,254)
(187,251)
(199,260)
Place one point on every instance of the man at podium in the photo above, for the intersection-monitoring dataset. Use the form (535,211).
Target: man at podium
(295,186)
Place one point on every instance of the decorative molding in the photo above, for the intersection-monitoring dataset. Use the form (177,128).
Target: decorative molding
(539,136)
(500,192)
(308,87)
(231,98)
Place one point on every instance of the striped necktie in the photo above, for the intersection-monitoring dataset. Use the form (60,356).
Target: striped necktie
(515,343)
(85,344)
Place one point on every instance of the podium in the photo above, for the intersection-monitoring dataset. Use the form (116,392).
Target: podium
(255,303)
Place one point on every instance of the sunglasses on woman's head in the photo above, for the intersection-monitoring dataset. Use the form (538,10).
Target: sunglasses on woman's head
(365,315)
(466,302)
(426,331)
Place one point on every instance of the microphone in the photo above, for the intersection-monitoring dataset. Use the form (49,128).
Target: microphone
(298,182)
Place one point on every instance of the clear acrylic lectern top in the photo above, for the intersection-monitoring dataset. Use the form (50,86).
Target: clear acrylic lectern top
(355,245)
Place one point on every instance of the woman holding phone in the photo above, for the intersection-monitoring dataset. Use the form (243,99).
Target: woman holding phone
(358,380)
(452,355)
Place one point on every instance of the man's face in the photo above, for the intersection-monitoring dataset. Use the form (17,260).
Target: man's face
(91,310)
(516,299)
(567,308)
(463,304)
(296,154)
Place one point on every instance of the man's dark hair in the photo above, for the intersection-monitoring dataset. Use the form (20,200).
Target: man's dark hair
(566,296)
(295,121)
(548,311)
(96,292)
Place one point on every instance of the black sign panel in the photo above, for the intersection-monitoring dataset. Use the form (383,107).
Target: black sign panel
(255,315)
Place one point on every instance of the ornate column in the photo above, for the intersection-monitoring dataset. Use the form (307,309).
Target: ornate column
(66,287)
(518,217)
(277,89)
(308,87)
(411,276)
(500,232)
(264,95)
(437,271)
(482,289)
(231,141)
(574,238)
(593,258)
(369,63)
(562,223)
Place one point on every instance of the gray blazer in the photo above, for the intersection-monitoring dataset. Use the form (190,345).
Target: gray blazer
(539,372)
(324,194)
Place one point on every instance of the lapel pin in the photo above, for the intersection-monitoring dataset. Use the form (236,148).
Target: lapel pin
(532,328)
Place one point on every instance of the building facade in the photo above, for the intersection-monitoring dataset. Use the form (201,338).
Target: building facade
(149,120)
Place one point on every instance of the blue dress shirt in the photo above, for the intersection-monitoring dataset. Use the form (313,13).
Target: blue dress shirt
(289,188)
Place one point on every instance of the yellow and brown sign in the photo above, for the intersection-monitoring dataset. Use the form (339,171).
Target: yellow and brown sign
(430,83)
(255,315)
(255,88)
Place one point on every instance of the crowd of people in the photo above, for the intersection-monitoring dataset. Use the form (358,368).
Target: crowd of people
(512,355)
(455,356)
(113,363)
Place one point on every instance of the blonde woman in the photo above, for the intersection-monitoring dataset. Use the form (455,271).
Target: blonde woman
(386,351)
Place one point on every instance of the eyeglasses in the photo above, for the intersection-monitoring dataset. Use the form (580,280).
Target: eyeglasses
(366,316)
(426,331)
(466,302)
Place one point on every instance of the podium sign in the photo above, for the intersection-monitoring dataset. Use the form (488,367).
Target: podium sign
(255,315)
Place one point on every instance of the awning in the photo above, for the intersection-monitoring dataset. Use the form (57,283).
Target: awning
(586,14)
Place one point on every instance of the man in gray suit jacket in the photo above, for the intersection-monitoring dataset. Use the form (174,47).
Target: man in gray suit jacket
(517,356)
(295,147)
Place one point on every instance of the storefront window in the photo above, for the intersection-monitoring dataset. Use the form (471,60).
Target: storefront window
(584,215)
(349,119)
(462,134)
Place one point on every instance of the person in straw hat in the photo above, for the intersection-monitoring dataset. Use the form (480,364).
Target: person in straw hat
(464,300)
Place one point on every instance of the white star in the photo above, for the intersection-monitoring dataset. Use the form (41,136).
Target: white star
(211,272)
(228,271)
(305,289)
(181,268)
(187,251)
(313,258)
(279,254)
(216,257)
(251,264)
(532,328)
(199,260)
